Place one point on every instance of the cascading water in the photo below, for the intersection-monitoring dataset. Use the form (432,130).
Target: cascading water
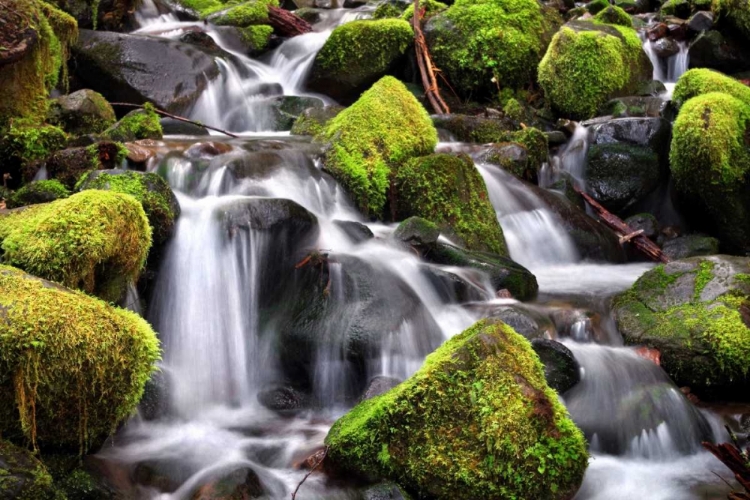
(667,70)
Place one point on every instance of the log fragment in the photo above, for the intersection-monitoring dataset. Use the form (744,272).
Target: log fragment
(286,23)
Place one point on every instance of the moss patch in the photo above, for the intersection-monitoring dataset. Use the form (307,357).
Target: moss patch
(614,15)
(247,14)
(430,7)
(257,37)
(733,14)
(94,240)
(700,81)
(37,192)
(71,366)
(26,142)
(476,421)
(138,124)
(23,476)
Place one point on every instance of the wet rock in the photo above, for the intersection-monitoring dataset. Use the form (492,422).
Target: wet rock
(22,476)
(691,245)
(712,50)
(311,15)
(637,106)
(382,491)
(312,120)
(207,150)
(200,39)
(139,154)
(356,231)
(287,109)
(284,399)
(106,15)
(478,129)
(155,401)
(523,320)
(79,479)
(379,385)
(660,30)
(275,215)
(456,286)
(70,164)
(561,370)
(417,231)
(242,484)
(139,68)
(653,88)
(701,21)
(646,222)
(511,157)
(666,47)
(82,112)
(170,126)
(653,133)
(37,192)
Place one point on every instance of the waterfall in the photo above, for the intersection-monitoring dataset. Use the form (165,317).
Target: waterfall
(668,70)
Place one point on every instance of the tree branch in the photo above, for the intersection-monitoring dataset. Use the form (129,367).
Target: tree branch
(175,117)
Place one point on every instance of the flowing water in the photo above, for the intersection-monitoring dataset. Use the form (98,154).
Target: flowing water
(237,267)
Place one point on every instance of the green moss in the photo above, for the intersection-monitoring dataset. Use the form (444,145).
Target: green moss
(138,124)
(734,14)
(596,6)
(476,421)
(26,142)
(38,192)
(514,110)
(94,240)
(388,10)
(71,366)
(313,121)
(203,8)
(430,7)
(485,44)
(82,112)
(699,81)
(374,137)
(536,143)
(614,15)
(257,37)
(704,275)
(588,64)
(23,476)
(247,14)
(449,191)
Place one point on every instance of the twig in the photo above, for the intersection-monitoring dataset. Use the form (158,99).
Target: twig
(175,117)
(630,236)
(320,461)
(426,68)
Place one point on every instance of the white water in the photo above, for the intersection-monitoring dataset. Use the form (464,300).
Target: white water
(668,70)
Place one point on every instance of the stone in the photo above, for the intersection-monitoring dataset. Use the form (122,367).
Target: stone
(82,112)
(561,370)
(701,21)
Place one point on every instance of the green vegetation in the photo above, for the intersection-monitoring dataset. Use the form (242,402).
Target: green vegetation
(312,121)
(37,192)
(700,81)
(95,241)
(257,37)
(138,124)
(23,476)
(375,136)
(71,366)
(449,191)
(387,10)
(247,14)
(476,421)
(734,14)
(596,6)
(431,7)
(587,64)
(614,15)
(25,141)
(82,112)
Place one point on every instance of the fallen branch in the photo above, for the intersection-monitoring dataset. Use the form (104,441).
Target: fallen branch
(287,23)
(738,461)
(625,232)
(175,117)
(320,461)
(426,67)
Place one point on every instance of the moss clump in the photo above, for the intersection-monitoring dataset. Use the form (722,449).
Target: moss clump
(26,142)
(257,37)
(94,240)
(430,7)
(733,14)
(71,366)
(138,124)
(709,161)
(375,136)
(514,110)
(388,10)
(153,192)
(82,112)
(23,476)
(476,421)
(247,14)
(480,44)
(614,15)
(699,81)
(596,6)
(449,191)
(37,192)
(587,64)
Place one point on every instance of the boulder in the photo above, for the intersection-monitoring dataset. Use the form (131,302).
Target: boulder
(482,394)
(418,232)
(691,245)
(170,126)
(284,400)
(356,231)
(84,372)
(645,222)
(524,320)
(511,157)
(701,21)
(275,215)
(561,369)
(68,165)
(139,68)
(666,47)
(695,82)
(711,49)
(23,476)
(695,313)
(82,112)
(287,109)
(37,192)
(733,18)
(136,125)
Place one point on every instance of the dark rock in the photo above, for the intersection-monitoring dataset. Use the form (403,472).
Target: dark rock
(155,401)
(356,231)
(82,112)
(678,8)
(70,164)
(22,476)
(170,126)
(455,286)
(268,214)
(139,153)
(379,385)
(509,156)
(239,484)
(524,320)
(468,128)
(353,4)
(105,15)
(310,15)
(287,109)
(284,399)
(200,39)
(644,221)
(647,132)
(652,88)
(691,245)
(417,231)
(666,47)
(36,192)
(206,150)
(80,479)
(712,50)
(657,32)
(701,21)
(138,68)
(382,491)
(556,138)
(638,107)
(560,366)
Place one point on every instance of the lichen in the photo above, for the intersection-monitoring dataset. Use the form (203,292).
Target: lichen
(95,241)
(372,138)
(71,366)
(698,81)
(37,192)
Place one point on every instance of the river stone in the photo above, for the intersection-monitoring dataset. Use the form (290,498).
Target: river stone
(356,231)
(170,126)
(523,320)
(284,399)
(379,385)
(701,21)
(268,214)
(417,231)
(139,68)
(82,112)
(561,370)
(23,476)
(653,133)
(666,47)
(286,109)
(711,49)
(646,222)
(511,157)
(691,245)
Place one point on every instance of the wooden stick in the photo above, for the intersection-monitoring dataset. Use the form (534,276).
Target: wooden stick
(628,237)
(641,242)
(426,67)
(325,452)
(175,117)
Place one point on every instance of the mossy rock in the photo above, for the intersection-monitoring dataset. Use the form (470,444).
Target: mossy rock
(373,138)
(82,112)
(477,421)
(246,14)
(417,231)
(698,81)
(430,8)
(677,8)
(511,157)
(256,38)
(312,121)
(94,241)
(136,125)
(449,191)
(37,192)
(23,476)
(614,15)
(26,143)
(694,311)
(709,160)
(153,192)
(68,165)
(357,54)
(596,6)
(476,43)
(389,10)
(733,16)
(72,367)
(588,63)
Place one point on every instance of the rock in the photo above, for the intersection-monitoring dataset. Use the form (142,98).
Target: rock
(170,126)
(638,107)
(417,231)
(79,477)
(373,138)
(287,109)
(284,400)
(68,165)
(457,42)
(207,150)
(379,385)
(696,82)
(356,231)
(732,19)
(646,222)
(678,8)
(139,68)
(691,245)
(524,320)
(200,39)
(82,112)
(312,121)
(449,191)
(106,15)
(311,15)
(659,30)
(37,192)
(94,240)
(139,154)
(666,47)
(155,401)
(511,157)
(561,369)
(106,373)
(353,4)
(653,88)
(613,14)
(611,55)
(240,484)
(23,476)
(274,215)
(24,147)
(156,197)
(357,54)
(466,128)
(138,124)
(711,49)
(487,366)
(695,313)
(382,491)
(701,21)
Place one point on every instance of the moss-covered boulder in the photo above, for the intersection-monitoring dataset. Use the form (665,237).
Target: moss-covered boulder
(24,145)
(95,241)
(709,160)
(153,192)
(614,15)
(71,366)
(82,112)
(254,12)
(373,138)
(37,192)
(23,476)
(700,81)
(68,165)
(357,54)
(476,43)
(449,191)
(477,421)
(695,312)
(589,63)
(312,121)
(138,124)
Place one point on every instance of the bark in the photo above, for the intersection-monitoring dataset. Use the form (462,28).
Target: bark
(287,23)
(427,69)
(737,461)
